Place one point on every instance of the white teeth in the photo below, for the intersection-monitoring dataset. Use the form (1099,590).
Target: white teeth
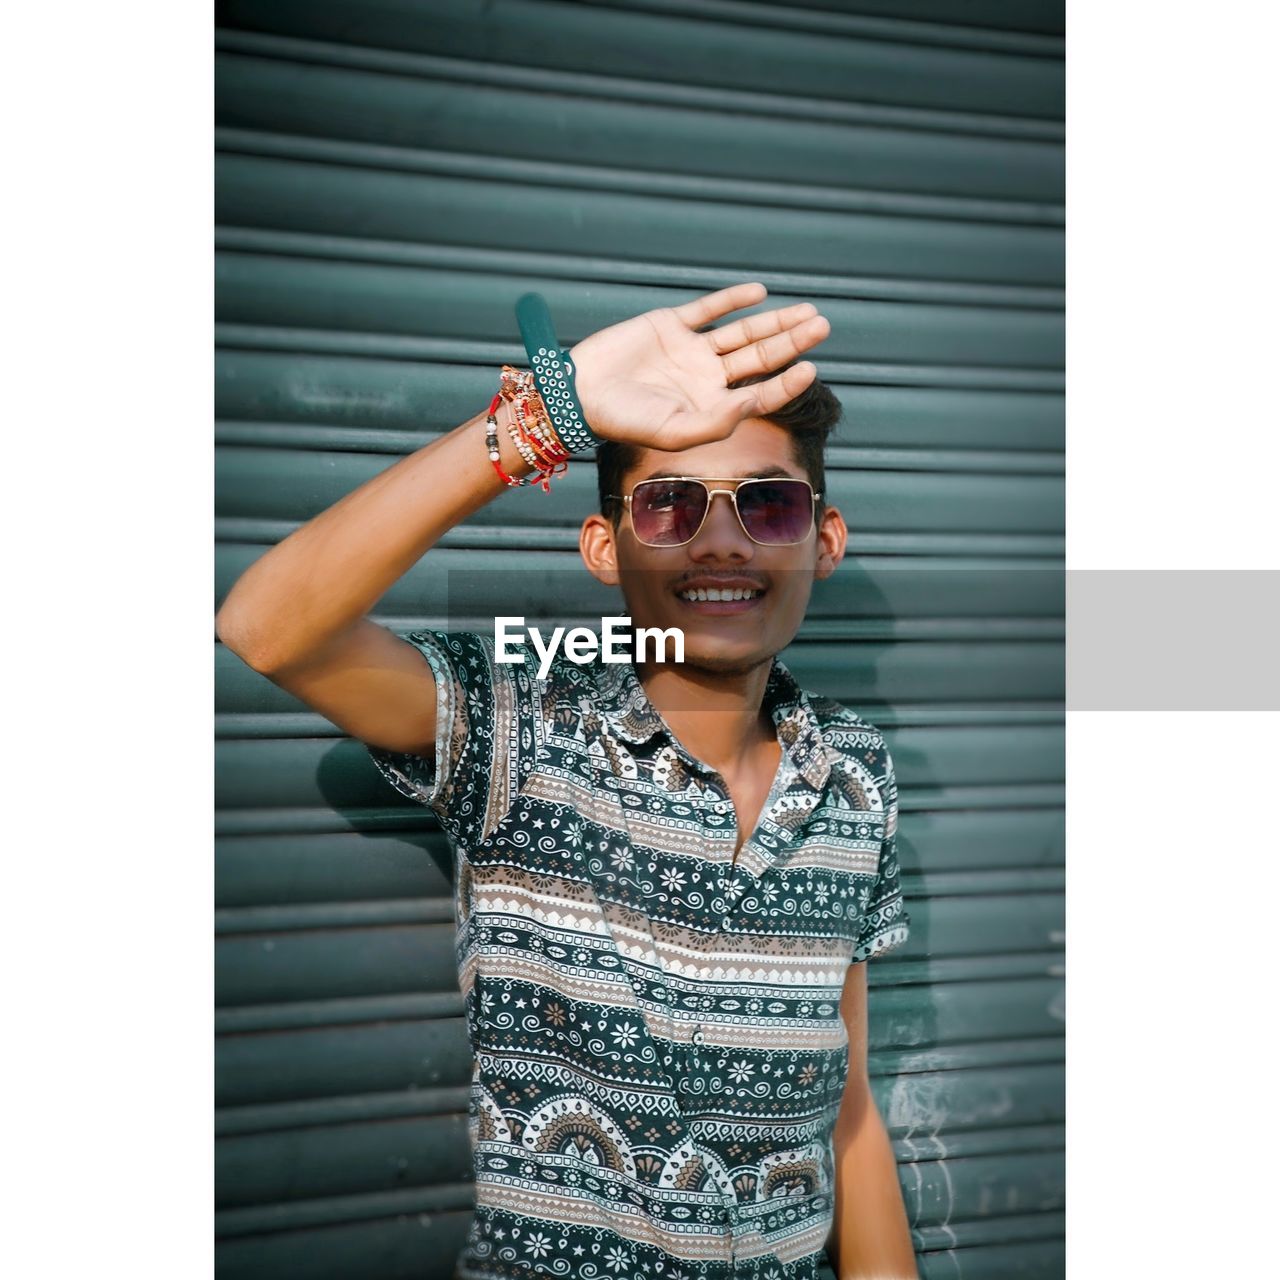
(719,593)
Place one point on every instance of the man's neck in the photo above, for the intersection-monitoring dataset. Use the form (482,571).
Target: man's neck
(719,719)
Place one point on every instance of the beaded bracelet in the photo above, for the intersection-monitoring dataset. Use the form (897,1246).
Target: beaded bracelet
(519,438)
(535,430)
(491,444)
(530,429)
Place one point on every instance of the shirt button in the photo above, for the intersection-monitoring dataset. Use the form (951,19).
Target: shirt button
(697,1035)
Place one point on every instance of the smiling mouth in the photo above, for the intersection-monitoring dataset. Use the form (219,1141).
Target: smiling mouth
(719,594)
(720,601)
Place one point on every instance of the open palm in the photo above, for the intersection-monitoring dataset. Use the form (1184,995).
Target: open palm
(655,381)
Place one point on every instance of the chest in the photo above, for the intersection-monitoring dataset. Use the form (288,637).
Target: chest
(747,791)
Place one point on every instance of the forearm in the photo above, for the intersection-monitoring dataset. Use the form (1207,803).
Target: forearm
(326,575)
(870,1237)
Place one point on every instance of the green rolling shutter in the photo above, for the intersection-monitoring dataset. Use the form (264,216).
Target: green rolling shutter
(391,175)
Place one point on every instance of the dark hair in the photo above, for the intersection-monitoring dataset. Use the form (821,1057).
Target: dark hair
(809,419)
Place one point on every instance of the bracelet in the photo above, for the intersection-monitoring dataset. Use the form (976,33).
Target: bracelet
(553,373)
(534,427)
(550,460)
(530,430)
(529,444)
(519,439)
(491,444)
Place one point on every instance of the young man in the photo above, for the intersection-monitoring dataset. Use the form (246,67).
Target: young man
(667,875)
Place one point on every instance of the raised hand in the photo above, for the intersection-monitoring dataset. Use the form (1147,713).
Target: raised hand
(655,381)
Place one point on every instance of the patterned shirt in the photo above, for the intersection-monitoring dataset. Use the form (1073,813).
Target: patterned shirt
(659,1051)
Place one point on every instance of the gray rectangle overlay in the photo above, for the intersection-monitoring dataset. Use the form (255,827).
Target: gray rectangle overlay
(1173,640)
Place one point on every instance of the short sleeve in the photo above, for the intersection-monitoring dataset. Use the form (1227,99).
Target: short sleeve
(485,737)
(885,923)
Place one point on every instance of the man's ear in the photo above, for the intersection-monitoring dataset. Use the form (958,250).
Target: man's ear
(833,537)
(596,542)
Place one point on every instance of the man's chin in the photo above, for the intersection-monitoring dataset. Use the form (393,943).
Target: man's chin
(724,663)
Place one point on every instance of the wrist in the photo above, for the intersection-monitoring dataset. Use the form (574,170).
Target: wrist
(510,458)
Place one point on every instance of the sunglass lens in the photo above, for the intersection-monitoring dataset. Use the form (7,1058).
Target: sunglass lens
(665,513)
(776,511)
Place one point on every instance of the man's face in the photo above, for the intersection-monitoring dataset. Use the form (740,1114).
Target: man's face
(661,584)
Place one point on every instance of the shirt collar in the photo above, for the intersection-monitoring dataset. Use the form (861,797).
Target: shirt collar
(632,717)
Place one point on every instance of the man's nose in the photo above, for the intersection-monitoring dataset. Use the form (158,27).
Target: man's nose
(722,534)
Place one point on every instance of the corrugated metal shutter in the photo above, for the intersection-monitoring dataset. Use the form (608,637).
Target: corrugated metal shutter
(391,174)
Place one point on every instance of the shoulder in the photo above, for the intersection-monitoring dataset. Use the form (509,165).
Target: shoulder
(857,750)
(844,729)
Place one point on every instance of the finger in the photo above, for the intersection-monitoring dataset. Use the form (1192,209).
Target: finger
(771,352)
(711,306)
(754,328)
(773,393)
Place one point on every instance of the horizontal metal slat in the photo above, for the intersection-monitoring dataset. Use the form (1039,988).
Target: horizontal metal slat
(680,49)
(1024,1260)
(304,724)
(352,1011)
(342,1160)
(1032,1229)
(409,1238)
(419,1232)
(472,536)
(379,442)
(330,914)
(321,1062)
(297,1015)
(984,1142)
(416,962)
(405,816)
(1045,17)
(304,772)
(414,1005)
(680,149)
(345,869)
(427,1204)
(352,1109)
(445,350)
(869,673)
(687,277)
(426,303)
(332,199)
(429,1148)
(963,1055)
(418,400)
(253,872)
(961,1190)
(481,584)
(948,29)
(755,102)
(983,1108)
(290,485)
(1007,1022)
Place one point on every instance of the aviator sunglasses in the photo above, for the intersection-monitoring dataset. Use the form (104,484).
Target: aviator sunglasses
(669,511)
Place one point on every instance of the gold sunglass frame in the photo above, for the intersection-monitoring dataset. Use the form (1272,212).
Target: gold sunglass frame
(706,482)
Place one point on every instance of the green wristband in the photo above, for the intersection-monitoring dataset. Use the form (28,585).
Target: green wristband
(553,374)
